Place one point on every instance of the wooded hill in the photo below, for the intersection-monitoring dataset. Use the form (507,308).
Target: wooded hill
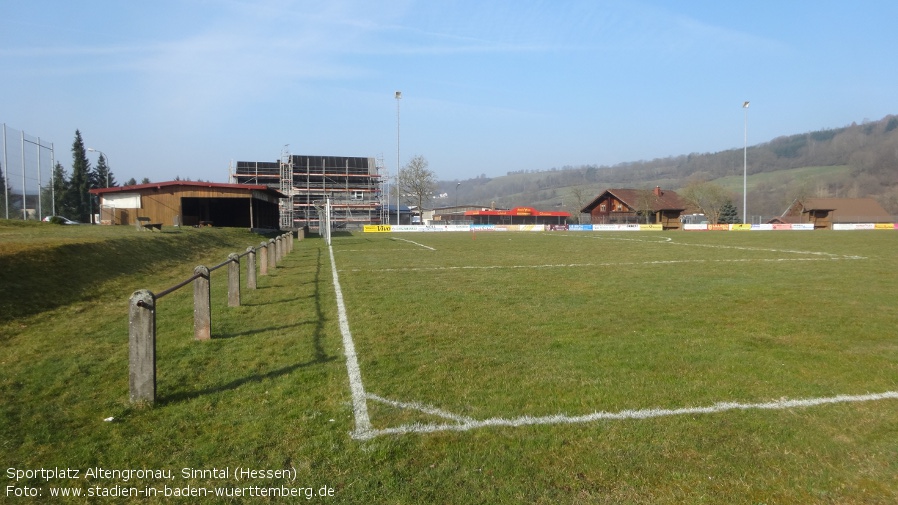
(860,160)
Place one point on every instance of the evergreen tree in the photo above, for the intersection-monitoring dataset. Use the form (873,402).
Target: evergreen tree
(78,195)
(728,213)
(60,185)
(130,182)
(145,180)
(103,176)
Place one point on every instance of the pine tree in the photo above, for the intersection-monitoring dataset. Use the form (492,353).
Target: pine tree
(728,213)
(103,176)
(78,196)
(60,191)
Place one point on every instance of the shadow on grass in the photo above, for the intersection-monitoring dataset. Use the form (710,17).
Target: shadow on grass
(235,334)
(320,356)
(279,372)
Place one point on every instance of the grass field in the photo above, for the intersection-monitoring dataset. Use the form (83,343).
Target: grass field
(756,367)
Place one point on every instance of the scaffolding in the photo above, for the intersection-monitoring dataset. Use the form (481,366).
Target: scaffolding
(352,184)
(286,188)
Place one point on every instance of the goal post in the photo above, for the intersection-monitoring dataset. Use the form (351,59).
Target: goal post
(323,207)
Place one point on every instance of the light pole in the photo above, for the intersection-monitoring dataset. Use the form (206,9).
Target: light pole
(91,149)
(398,159)
(745,165)
(456,196)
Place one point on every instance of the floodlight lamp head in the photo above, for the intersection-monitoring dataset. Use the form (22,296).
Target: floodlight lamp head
(91,149)
(398,95)
(745,105)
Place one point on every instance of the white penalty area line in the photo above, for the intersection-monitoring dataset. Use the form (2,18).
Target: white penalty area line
(356,386)
(604,264)
(413,242)
(466,424)
(670,240)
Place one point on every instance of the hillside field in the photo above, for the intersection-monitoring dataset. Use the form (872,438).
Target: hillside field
(501,367)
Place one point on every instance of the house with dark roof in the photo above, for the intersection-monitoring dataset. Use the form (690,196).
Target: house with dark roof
(626,206)
(824,212)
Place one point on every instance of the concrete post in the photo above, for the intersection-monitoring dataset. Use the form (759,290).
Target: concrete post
(142,347)
(202,308)
(263,258)
(272,254)
(251,267)
(234,280)
(289,242)
(301,234)
(279,247)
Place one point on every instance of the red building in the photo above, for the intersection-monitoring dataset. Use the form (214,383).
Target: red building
(517,215)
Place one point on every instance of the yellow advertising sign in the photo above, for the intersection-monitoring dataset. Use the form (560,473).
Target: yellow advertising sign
(884,226)
(741,227)
(651,227)
(377,228)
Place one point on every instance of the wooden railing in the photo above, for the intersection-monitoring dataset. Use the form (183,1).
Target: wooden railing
(142,313)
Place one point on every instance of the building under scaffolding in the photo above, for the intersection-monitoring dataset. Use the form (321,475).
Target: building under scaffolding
(352,184)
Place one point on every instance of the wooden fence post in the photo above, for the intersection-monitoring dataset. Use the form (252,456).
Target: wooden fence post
(142,347)
(251,267)
(263,258)
(272,254)
(202,307)
(234,280)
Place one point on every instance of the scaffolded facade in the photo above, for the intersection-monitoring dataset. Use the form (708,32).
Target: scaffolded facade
(352,184)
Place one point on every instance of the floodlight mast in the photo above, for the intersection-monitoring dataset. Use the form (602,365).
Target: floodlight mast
(745,165)
(398,159)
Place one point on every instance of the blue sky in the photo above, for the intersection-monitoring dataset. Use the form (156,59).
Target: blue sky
(183,88)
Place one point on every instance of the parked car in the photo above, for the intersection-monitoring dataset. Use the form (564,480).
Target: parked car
(59,220)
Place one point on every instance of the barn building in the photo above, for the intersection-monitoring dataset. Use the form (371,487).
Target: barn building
(824,212)
(189,203)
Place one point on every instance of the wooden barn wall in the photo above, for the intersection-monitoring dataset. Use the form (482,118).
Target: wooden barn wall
(164,205)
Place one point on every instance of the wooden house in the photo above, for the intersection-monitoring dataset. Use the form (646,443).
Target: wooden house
(824,212)
(625,206)
(188,203)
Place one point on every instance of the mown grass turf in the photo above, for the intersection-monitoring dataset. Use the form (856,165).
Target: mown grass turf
(558,323)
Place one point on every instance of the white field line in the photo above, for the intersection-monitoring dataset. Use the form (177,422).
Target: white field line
(669,240)
(427,409)
(413,242)
(465,425)
(356,387)
(605,264)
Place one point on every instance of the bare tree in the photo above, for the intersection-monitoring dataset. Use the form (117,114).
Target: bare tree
(581,196)
(644,208)
(707,197)
(417,182)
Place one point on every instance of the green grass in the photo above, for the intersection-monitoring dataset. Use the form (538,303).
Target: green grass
(507,325)
(802,176)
